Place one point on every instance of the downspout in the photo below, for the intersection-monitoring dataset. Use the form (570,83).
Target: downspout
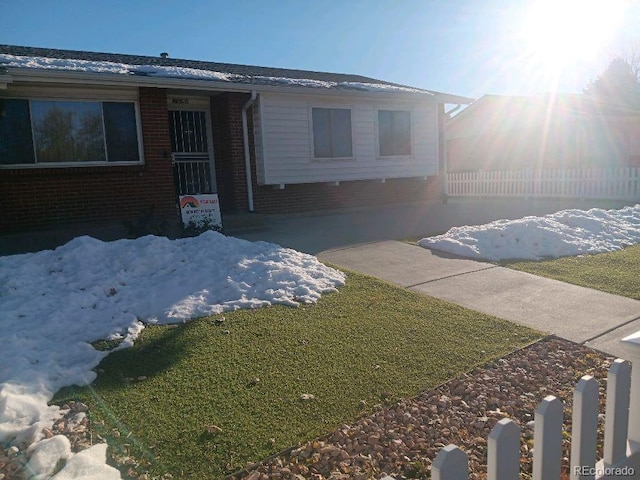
(247,153)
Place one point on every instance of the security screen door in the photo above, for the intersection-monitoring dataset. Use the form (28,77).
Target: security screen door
(191,152)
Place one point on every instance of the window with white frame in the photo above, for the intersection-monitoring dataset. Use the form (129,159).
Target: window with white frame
(394,133)
(332,133)
(47,132)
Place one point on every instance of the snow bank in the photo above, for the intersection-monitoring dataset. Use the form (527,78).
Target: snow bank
(565,233)
(54,302)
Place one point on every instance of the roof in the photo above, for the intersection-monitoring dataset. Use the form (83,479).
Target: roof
(513,112)
(573,103)
(24,58)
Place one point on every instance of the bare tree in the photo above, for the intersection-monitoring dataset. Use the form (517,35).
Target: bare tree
(617,84)
(630,53)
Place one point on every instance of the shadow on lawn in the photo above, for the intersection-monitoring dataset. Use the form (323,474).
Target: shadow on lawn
(158,349)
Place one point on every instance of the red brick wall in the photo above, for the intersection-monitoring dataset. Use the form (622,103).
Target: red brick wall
(56,197)
(321,196)
(229,151)
(228,147)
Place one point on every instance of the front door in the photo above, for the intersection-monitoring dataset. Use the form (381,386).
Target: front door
(191,152)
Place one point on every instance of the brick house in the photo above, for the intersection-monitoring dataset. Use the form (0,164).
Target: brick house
(90,139)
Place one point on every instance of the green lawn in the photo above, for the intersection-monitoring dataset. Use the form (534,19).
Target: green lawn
(615,272)
(369,344)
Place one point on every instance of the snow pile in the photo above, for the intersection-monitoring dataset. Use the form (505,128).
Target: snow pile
(380,87)
(565,233)
(53,302)
(96,66)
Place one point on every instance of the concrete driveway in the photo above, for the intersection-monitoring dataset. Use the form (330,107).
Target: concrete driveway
(315,233)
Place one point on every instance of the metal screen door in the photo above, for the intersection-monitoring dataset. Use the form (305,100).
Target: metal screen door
(191,152)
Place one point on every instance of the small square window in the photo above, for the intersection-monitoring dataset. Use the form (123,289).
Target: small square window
(394,133)
(332,133)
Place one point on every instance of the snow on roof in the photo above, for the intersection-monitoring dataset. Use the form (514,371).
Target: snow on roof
(205,71)
(55,302)
(113,67)
(565,233)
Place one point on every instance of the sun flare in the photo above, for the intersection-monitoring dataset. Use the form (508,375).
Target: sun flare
(559,33)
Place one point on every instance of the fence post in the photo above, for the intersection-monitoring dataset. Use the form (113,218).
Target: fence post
(631,345)
(584,428)
(503,458)
(547,440)
(451,463)
(617,412)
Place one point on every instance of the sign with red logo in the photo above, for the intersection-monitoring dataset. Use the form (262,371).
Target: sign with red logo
(200,210)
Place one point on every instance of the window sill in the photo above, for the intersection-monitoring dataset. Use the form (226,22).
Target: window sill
(395,157)
(333,160)
(41,166)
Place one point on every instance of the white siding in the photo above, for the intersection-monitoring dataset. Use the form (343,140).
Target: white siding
(284,147)
(257,134)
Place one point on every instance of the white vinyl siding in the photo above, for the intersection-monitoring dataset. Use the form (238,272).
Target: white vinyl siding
(257,136)
(283,127)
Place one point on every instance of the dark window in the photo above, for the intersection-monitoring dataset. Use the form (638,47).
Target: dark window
(121,131)
(67,131)
(46,131)
(332,133)
(394,132)
(16,145)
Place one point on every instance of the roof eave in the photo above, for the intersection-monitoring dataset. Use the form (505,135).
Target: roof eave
(453,99)
(116,79)
(5,79)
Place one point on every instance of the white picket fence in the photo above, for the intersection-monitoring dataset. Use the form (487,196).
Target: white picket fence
(613,183)
(621,435)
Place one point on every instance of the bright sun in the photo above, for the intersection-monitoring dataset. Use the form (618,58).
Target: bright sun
(559,33)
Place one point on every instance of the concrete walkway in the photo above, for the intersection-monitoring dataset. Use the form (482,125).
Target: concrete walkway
(579,314)
(362,240)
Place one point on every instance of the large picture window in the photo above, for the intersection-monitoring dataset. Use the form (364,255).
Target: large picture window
(67,132)
(394,133)
(332,133)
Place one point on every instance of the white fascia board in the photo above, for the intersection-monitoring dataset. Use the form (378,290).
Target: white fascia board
(453,99)
(5,79)
(115,79)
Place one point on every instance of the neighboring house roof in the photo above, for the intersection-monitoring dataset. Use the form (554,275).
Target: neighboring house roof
(25,58)
(493,113)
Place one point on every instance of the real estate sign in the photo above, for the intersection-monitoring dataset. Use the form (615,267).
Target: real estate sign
(200,209)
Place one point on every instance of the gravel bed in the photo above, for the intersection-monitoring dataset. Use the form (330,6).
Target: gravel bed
(402,440)
(74,424)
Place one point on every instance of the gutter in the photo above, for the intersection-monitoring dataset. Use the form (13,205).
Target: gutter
(19,75)
(448,114)
(247,153)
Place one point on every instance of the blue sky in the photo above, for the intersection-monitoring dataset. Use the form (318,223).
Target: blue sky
(466,47)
